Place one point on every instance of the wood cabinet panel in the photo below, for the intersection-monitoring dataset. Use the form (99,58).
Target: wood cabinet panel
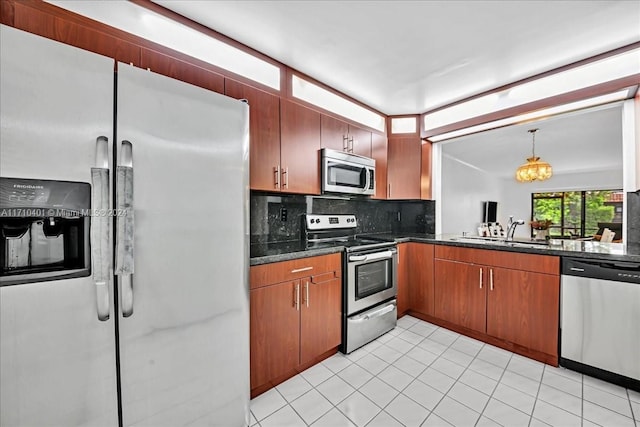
(274,332)
(518,261)
(403,279)
(320,317)
(299,148)
(360,141)
(36,21)
(403,168)
(180,70)
(523,308)
(459,294)
(264,123)
(379,148)
(317,266)
(421,284)
(425,171)
(333,133)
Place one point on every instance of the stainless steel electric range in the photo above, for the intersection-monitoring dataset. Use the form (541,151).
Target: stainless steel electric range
(370,281)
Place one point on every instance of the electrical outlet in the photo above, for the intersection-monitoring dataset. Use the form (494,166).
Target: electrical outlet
(283,214)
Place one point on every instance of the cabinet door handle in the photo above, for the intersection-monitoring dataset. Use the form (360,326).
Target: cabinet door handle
(276,172)
(345,143)
(296,300)
(480,278)
(491,278)
(307,292)
(285,174)
(351,148)
(389,191)
(299,270)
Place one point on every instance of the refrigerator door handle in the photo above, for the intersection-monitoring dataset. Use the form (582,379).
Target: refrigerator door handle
(125,228)
(100,228)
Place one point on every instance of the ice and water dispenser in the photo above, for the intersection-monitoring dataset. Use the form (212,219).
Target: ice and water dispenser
(44,230)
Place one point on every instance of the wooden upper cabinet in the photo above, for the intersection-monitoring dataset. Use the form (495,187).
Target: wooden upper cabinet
(264,123)
(360,141)
(403,168)
(180,70)
(379,148)
(274,332)
(425,171)
(333,133)
(421,287)
(522,307)
(402,297)
(338,135)
(459,294)
(320,317)
(299,148)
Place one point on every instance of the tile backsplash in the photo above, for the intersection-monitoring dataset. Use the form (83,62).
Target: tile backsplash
(633,222)
(277,217)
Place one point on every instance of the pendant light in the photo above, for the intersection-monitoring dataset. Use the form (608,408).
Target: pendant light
(534,169)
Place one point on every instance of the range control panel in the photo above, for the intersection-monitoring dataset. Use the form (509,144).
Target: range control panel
(328,222)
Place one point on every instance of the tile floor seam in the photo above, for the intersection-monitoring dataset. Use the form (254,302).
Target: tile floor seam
(533,410)
(493,392)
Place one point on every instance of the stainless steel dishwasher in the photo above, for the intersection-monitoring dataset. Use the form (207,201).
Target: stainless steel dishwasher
(600,319)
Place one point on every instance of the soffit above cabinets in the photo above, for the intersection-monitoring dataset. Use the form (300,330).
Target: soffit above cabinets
(407,57)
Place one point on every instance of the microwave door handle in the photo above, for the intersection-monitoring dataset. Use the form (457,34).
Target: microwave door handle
(368,180)
(125,228)
(100,228)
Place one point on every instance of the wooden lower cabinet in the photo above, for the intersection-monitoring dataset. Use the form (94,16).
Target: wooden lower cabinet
(402,298)
(515,308)
(460,296)
(295,321)
(320,318)
(522,307)
(420,275)
(275,332)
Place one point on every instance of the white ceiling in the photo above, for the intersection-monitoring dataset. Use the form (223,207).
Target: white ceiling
(405,57)
(589,140)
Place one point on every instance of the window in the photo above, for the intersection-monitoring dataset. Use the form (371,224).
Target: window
(579,214)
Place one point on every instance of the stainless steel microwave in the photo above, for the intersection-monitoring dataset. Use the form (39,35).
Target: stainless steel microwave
(347,173)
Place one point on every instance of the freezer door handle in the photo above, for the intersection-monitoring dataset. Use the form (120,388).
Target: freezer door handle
(100,228)
(125,228)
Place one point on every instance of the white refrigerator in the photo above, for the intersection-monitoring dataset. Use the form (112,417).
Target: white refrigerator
(157,334)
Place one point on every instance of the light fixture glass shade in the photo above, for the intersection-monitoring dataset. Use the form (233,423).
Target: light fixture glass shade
(534,170)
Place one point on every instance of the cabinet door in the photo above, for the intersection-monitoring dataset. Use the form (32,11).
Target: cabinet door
(333,133)
(264,123)
(403,279)
(275,331)
(360,141)
(460,296)
(379,147)
(425,171)
(320,320)
(403,173)
(299,145)
(523,307)
(421,290)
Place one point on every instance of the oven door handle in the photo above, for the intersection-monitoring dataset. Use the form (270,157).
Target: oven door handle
(372,257)
(380,312)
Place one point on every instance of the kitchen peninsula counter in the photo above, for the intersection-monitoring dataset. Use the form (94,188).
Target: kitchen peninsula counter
(264,253)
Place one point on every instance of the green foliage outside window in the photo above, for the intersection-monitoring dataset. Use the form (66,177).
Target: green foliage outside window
(573,213)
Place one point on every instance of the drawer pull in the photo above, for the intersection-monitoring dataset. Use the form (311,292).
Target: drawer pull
(300,270)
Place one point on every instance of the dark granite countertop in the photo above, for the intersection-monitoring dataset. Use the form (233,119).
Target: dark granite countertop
(274,252)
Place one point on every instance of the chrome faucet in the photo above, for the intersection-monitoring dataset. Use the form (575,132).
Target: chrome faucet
(511,227)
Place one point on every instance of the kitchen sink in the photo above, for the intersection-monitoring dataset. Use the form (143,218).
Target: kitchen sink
(500,241)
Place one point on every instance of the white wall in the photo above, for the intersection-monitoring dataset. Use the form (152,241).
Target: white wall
(516,197)
(463,188)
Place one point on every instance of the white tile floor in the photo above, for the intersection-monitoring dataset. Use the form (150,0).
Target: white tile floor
(422,375)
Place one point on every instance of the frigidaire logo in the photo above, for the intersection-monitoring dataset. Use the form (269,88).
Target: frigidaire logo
(31,187)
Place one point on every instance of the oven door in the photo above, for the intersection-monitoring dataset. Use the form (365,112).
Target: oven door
(341,176)
(371,278)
